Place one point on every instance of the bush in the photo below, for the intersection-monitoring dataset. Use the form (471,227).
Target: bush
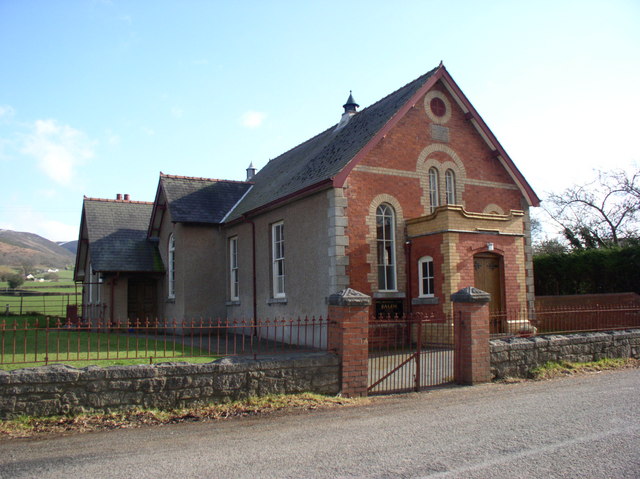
(15,280)
(5,272)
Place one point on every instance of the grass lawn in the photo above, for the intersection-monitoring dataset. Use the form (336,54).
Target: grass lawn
(24,345)
(55,305)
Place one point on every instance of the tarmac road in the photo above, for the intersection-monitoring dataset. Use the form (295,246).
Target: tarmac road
(578,427)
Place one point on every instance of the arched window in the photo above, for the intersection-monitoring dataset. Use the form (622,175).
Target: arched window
(386,246)
(171,267)
(425,276)
(433,189)
(450,184)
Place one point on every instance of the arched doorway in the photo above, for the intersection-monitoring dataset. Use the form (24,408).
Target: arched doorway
(488,277)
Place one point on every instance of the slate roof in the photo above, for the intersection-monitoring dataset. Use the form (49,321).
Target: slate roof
(117,233)
(201,200)
(325,155)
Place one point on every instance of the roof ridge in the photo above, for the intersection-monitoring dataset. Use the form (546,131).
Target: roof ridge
(199,178)
(332,127)
(110,200)
(428,74)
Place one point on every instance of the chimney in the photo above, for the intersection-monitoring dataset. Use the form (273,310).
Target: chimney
(126,197)
(119,196)
(251,172)
(349,110)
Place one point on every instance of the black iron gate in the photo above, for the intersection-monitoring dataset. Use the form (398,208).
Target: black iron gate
(410,353)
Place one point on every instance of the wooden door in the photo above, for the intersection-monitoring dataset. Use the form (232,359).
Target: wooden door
(141,301)
(488,277)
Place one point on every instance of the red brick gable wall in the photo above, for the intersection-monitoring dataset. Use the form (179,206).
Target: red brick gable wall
(393,168)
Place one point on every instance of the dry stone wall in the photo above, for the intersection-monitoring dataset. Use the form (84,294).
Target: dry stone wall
(515,357)
(60,389)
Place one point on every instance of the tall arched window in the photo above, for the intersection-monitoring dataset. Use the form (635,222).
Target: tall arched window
(450,184)
(171,267)
(433,189)
(386,246)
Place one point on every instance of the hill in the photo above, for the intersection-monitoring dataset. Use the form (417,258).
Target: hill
(17,248)
(71,246)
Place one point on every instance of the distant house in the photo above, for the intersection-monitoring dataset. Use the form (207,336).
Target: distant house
(408,200)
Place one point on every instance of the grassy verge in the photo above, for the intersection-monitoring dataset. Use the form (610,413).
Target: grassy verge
(25,426)
(22,345)
(554,369)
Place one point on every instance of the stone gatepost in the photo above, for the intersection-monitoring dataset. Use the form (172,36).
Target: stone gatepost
(349,338)
(472,363)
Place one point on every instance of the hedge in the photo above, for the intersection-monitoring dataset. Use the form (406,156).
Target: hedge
(606,270)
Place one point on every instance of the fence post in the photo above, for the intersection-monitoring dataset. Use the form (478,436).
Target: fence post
(349,338)
(472,362)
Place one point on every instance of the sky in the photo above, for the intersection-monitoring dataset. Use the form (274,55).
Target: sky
(97,97)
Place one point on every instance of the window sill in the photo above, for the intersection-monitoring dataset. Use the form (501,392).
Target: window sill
(428,300)
(277,301)
(235,302)
(389,295)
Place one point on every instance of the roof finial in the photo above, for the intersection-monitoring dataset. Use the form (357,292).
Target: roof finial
(351,105)
(251,172)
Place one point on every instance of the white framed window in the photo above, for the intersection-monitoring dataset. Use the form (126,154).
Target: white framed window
(434,197)
(234,285)
(277,254)
(386,247)
(171,268)
(90,283)
(450,185)
(425,276)
(98,287)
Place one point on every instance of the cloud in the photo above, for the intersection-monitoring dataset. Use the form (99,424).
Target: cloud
(148,131)
(112,138)
(6,111)
(201,61)
(253,119)
(59,149)
(177,112)
(26,219)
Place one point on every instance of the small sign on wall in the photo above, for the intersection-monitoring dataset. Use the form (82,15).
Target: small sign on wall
(389,307)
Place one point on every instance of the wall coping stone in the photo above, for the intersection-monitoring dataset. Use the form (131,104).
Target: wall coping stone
(471,295)
(349,297)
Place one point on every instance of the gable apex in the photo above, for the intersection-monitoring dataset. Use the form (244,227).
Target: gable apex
(441,74)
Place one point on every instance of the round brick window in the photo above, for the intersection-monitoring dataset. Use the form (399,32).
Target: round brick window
(437,106)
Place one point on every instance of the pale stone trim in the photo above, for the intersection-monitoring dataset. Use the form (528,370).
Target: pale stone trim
(491,184)
(370,220)
(386,171)
(528,258)
(417,174)
(338,240)
(441,120)
(492,208)
(451,259)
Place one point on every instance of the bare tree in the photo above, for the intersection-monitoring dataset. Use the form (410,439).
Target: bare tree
(601,213)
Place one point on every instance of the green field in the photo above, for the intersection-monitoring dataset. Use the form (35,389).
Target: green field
(54,305)
(24,345)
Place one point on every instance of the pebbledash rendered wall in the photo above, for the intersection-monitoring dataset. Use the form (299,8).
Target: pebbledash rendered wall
(58,389)
(516,357)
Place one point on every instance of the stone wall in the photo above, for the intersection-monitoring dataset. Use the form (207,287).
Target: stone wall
(515,357)
(59,389)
